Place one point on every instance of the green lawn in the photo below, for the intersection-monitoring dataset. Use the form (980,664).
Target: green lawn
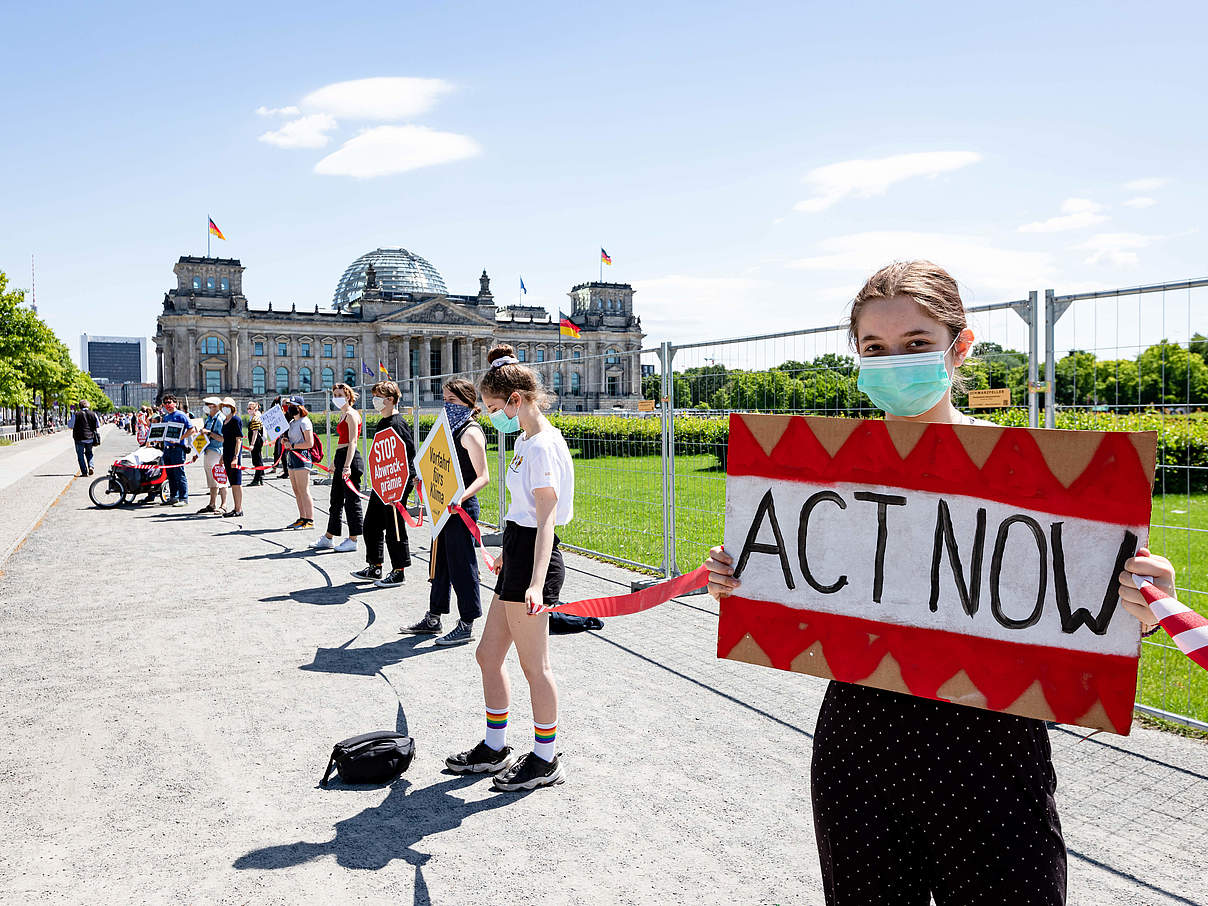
(618,511)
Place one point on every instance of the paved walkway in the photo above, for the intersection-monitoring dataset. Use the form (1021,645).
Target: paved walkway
(173,684)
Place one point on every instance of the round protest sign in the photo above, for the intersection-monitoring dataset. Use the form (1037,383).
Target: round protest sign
(220,475)
(388,470)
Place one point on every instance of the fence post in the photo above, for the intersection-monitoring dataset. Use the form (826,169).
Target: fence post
(502,467)
(415,410)
(1051,314)
(666,357)
(1033,355)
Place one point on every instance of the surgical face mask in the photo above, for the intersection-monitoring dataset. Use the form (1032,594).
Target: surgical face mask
(339,401)
(503,423)
(905,385)
(379,403)
(227,411)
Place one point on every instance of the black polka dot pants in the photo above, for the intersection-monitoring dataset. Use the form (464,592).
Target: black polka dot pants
(916,798)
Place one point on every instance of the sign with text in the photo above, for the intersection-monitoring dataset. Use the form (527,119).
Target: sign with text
(200,439)
(970,564)
(388,467)
(990,398)
(275,424)
(220,475)
(645,405)
(439,470)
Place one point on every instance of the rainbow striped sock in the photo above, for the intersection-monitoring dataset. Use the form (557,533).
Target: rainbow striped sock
(497,729)
(543,739)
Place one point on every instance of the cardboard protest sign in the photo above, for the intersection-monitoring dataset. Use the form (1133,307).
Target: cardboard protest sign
(275,424)
(439,470)
(199,442)
(157,433)
(972,564)
(220,475)
(388,467)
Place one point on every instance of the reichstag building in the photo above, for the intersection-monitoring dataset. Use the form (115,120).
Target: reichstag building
(390,306)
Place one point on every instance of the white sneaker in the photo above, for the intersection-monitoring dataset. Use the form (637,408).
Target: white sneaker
(345,546)
(322,543)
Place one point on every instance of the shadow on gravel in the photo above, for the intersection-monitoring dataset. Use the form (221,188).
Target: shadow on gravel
(322,595)
(368,661)
(377,836)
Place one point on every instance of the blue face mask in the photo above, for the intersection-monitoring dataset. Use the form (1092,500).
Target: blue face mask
(457,415)
(502,423)
(907,384)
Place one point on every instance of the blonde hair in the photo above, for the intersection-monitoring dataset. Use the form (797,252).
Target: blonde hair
(386,388)
(501,381)
(349,392)
(930,286)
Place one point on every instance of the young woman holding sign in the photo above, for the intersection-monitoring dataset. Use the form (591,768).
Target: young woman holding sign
(454,558)
(382,519)
(912,797)
(345,466)
(541,484)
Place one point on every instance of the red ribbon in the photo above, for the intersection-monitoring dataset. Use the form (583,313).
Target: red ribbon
(1186,628)
(476,533)
(621,605)
(352,487)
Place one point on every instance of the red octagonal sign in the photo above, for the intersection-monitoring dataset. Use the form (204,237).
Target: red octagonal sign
(388,470)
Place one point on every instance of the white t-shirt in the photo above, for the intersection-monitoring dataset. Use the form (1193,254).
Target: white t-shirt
(540,461)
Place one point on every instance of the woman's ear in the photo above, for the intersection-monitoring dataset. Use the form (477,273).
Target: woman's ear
(962,348)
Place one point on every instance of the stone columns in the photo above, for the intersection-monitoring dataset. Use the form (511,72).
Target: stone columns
(425,366)
(467,357)
(446,355)
(404,365)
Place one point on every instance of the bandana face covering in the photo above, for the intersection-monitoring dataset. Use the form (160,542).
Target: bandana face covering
(906,385)
(457,415)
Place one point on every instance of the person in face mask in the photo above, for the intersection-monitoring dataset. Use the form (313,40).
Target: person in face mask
(454,559)
(541,484)
(232,453)
(212,456)
(297,442)
(255,440)
(381,520)
(982,825)
(346,467)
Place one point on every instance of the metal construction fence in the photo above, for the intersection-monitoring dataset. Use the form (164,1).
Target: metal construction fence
(649,428)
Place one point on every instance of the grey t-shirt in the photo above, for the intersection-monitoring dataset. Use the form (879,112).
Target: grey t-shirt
(295,434)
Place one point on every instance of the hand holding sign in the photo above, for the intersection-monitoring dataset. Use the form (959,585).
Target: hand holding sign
(440,472)
(275,424)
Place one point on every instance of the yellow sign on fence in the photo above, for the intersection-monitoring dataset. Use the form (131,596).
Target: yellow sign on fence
(991,398)
(645,405)
(439,471)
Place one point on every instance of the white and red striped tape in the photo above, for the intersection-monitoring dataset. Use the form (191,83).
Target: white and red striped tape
(1186,628)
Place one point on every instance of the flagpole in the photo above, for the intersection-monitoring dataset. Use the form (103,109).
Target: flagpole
(207,235)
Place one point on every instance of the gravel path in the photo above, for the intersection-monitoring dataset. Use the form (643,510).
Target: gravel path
(173,684)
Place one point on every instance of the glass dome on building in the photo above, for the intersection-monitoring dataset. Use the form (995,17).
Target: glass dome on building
(398,271)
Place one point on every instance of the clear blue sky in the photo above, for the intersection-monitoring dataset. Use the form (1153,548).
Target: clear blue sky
(707,146)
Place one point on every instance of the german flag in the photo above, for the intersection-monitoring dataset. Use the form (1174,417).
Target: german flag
(567,327)
(604,256)
(214,231)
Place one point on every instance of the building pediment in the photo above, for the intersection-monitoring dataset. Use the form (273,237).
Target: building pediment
(438,311)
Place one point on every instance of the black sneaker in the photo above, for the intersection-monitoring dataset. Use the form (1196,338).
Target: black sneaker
(459,635)
(369,573)
(236,513)
(392,580)
(481,759)
(429,625)
(529,772)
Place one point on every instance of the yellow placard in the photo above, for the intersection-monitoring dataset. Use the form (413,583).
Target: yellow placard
(439,471)
(200,439)
(645,405)
(991,398)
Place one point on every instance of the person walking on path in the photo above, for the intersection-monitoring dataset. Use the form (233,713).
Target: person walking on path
(297,443)
(175,452)
(86,432)
(541,485)
(255,439)
(346,466)
(232,454)
(454,558)
(212,455)
(382,519)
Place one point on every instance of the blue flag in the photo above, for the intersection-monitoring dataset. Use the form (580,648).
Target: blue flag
(365,368)
(522,287)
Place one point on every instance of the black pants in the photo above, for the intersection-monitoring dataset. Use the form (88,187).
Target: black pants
(258,460)
(914,797)
(341,497)
(455,564)
(380,520)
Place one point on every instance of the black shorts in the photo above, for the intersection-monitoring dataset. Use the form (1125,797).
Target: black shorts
(234,473)
(517,572)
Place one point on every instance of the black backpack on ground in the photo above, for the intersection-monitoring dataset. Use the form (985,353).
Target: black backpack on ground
(376,757)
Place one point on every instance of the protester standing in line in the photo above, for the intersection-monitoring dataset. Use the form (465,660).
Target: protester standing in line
(255,439)
(297,442)
(175,451)
(346,466)
(279,446)
(454,558)
(541,484)
(142,426)
(212,455)
(86,432)
(382,519)
(232,454)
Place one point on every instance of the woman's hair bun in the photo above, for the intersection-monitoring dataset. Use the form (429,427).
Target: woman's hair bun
(498,352)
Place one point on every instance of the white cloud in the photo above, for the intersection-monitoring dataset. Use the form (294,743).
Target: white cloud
(972,260)
(304,132)
(1141,201)
(1076,213)
(1148,184)
(1116,249)
(278,111)
(866,178)
(396,149)
(382,99)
